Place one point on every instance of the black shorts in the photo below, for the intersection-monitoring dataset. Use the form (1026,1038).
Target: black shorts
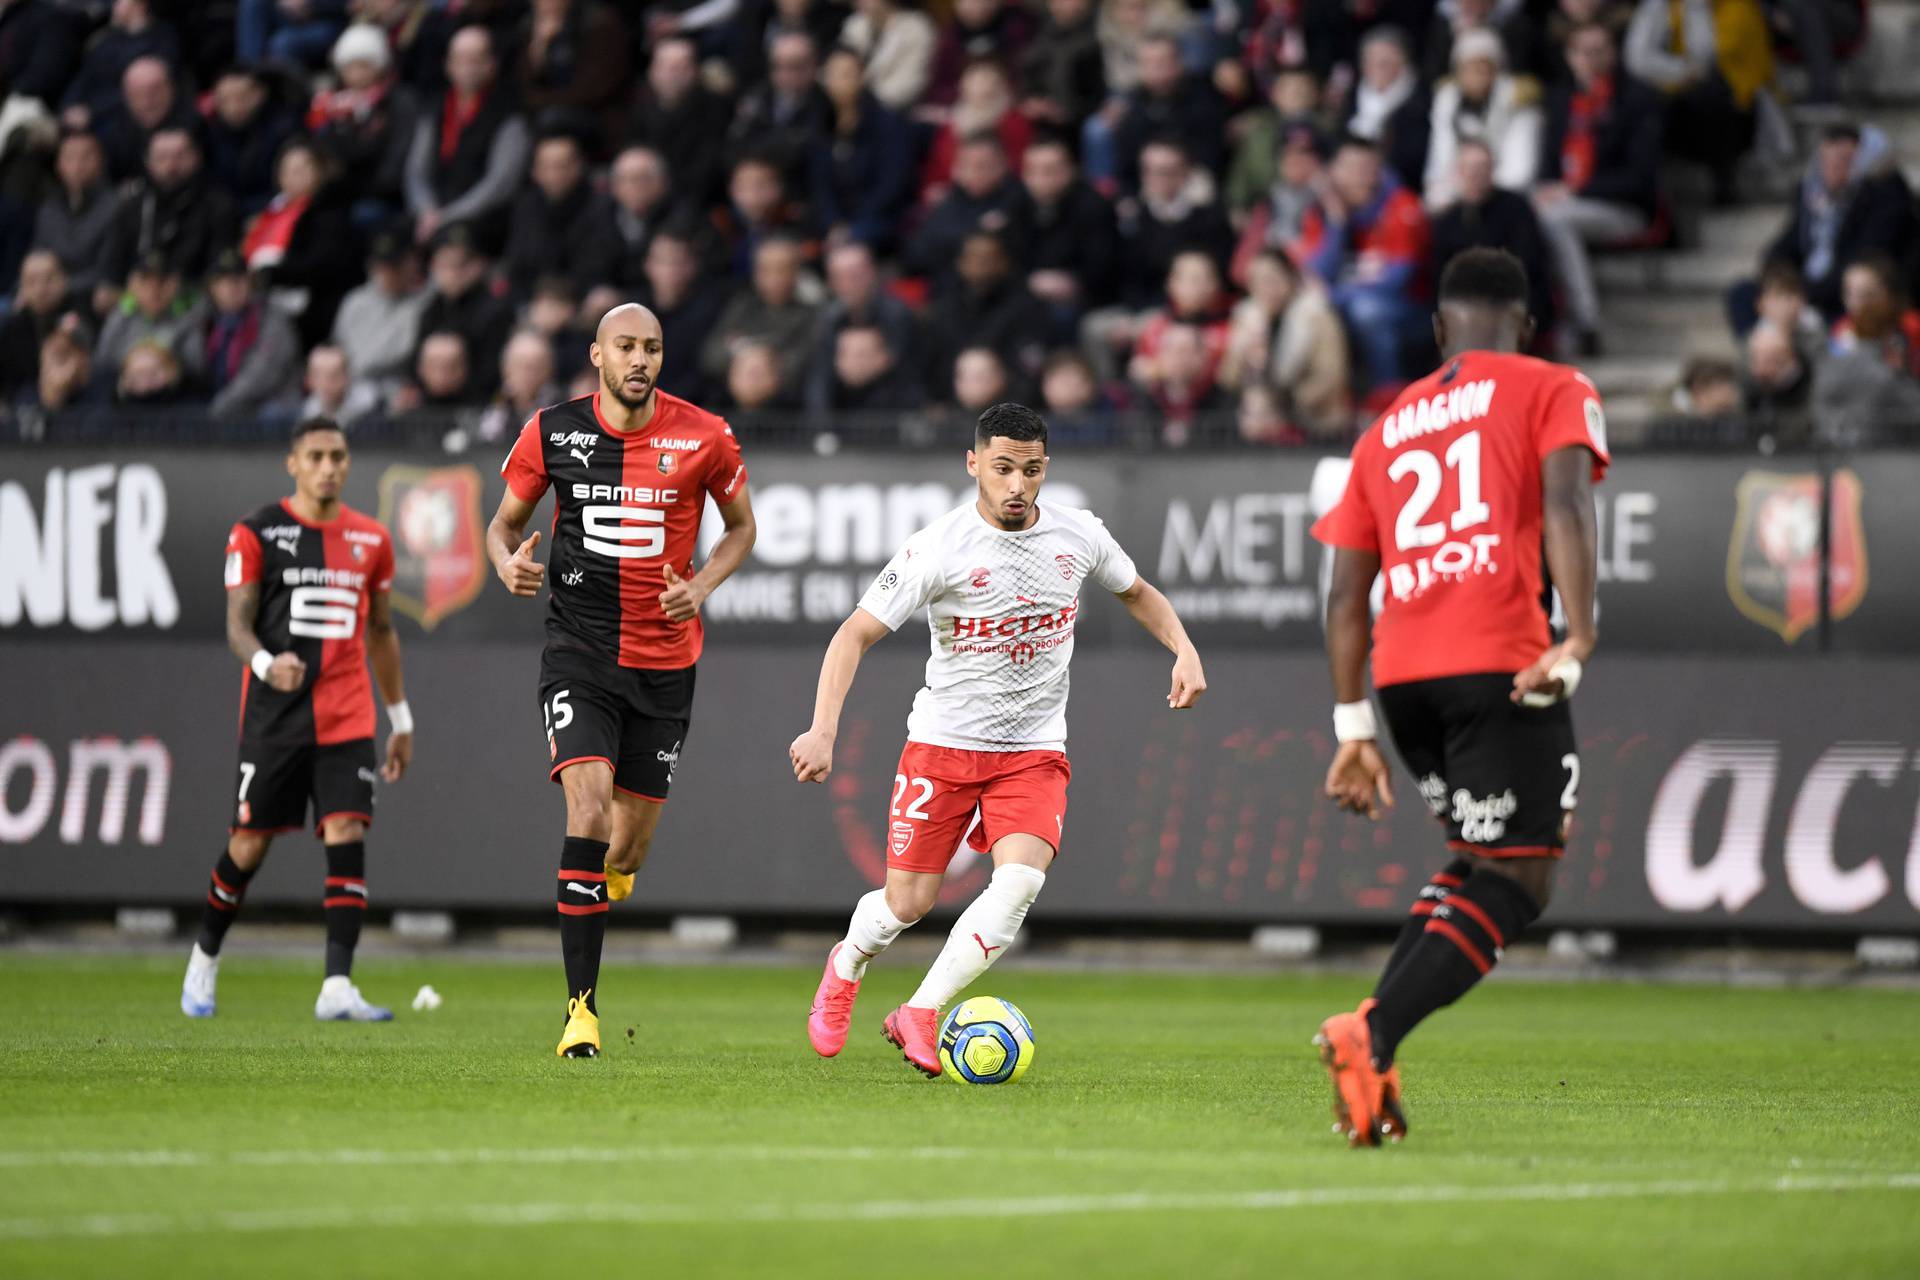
(1503,778)
(277,779)
(633,718)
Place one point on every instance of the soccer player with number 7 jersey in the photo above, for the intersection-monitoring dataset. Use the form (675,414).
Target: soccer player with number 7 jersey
(1474,481)
(998,579)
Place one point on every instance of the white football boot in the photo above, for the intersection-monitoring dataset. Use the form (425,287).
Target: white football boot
(196,991)
(341,1001)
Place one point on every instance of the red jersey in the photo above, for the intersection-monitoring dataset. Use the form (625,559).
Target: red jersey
(316,582)
(625,504)
(1445,488)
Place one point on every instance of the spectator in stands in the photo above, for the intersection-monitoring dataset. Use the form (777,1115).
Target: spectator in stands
(1568,16)
(560,226)
(148,104)
(527,385)
(979,381)
(366,125)
(687,310)
(1709,390)
(469,151)
(1290,34)
(782,118)
(1285,335)
(378,323)
(252,354)
(39,49)
(1506,20)
(1878,321)
(419,32)
(986,105)
(302,243)
(1167,101)
(1077,411)
(860,165)
(1368,241)
(642,203)
(897,42)
(865,376)
(43,299)
(1776,385)
(766,312)
(1853,201)
(64,377)
(1822,31)
(461,300)
(1782,301)
(573,60)
(986,306)
(1710,58)
(442,384)
(1390,108)
(1598,172)
(760,208)
(1298,174)
(244,132)
(333,392)
(981,197)
(299,31)
(1484,214)
(1195,298)
(1292,115)
(173,211)
(1172,212)
(1259,418)
(857,299)
(1124,28)
(976,29)
(151,375)
(1062,71)
(554,312)
(1180,386)
(131,32)
(1482,102)
(755,400)
(1064,234)
(762,24)
(153,310)
(76,219)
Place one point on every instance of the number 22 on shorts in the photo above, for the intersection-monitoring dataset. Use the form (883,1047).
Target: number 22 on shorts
(900,833)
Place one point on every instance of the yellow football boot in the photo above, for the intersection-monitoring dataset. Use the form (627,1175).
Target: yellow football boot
(619,884)
(581,1039)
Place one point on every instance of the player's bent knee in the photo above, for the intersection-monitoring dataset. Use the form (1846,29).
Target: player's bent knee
(343,830)
(628,856)
(912,900)
(248,849)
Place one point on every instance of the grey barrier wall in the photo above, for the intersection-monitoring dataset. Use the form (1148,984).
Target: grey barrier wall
(1731,777)
(1762,793)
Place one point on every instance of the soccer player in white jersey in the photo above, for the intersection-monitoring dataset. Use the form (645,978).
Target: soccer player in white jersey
(999,580)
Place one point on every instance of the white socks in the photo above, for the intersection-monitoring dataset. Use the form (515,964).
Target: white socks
(871,931)
(981,935)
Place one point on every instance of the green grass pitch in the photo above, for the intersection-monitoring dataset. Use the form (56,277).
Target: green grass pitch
(1171,1126)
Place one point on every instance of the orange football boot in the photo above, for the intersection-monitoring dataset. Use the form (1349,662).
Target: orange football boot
(1346,1050)
(915,1033)
(1393,1120)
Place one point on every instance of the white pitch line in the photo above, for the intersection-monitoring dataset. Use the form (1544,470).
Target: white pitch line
(336,1217)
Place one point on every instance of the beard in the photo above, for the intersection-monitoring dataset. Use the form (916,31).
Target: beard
(618,391)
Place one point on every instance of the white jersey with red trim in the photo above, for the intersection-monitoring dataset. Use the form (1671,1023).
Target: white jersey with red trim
(1001,605)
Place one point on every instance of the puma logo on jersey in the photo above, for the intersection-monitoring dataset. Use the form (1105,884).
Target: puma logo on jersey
(585,458)
(591,891)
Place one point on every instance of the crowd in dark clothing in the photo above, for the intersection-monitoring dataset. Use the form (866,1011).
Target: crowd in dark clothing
(1224,221)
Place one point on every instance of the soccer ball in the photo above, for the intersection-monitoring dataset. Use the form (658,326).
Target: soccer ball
(986,1040)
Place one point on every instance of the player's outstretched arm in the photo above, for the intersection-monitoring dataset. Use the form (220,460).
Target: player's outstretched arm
(383,647)
(812,751)
(684,596)
(1154,612)
(282,671)
(1567,526)
(513,557)
(1359,779)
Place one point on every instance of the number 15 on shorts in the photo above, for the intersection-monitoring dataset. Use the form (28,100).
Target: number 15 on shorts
(558,715)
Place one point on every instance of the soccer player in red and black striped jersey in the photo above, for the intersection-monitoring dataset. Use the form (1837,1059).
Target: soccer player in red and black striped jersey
(1473,497)
(307,585)
(631,469)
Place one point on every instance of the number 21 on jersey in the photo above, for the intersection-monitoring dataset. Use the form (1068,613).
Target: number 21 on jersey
(1414,532)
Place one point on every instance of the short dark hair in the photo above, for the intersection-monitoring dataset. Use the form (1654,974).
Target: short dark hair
(307,426)
(1491,277)
(1010,421)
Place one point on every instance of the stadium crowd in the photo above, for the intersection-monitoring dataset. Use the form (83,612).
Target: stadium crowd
(1219,218)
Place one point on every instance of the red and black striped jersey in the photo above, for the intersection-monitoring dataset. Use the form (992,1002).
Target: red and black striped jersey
(316,582)
(625,505)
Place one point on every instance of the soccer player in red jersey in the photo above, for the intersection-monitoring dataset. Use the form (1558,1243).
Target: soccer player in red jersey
(307,582)
(1477,474)
(998,579)
(631,469)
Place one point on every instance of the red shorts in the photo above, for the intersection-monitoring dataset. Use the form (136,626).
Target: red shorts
(939,790)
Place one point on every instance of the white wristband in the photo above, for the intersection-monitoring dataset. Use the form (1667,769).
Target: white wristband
(400,716)
(1568,672)
(1353,721)
(261,662)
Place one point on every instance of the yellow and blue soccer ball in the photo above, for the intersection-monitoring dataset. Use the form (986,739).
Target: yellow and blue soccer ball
(986,1040)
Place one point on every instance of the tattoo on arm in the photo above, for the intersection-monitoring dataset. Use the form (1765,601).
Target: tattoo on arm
(243,608)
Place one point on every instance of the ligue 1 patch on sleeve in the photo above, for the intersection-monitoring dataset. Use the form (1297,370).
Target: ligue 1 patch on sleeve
(236,569)
(1597,426)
